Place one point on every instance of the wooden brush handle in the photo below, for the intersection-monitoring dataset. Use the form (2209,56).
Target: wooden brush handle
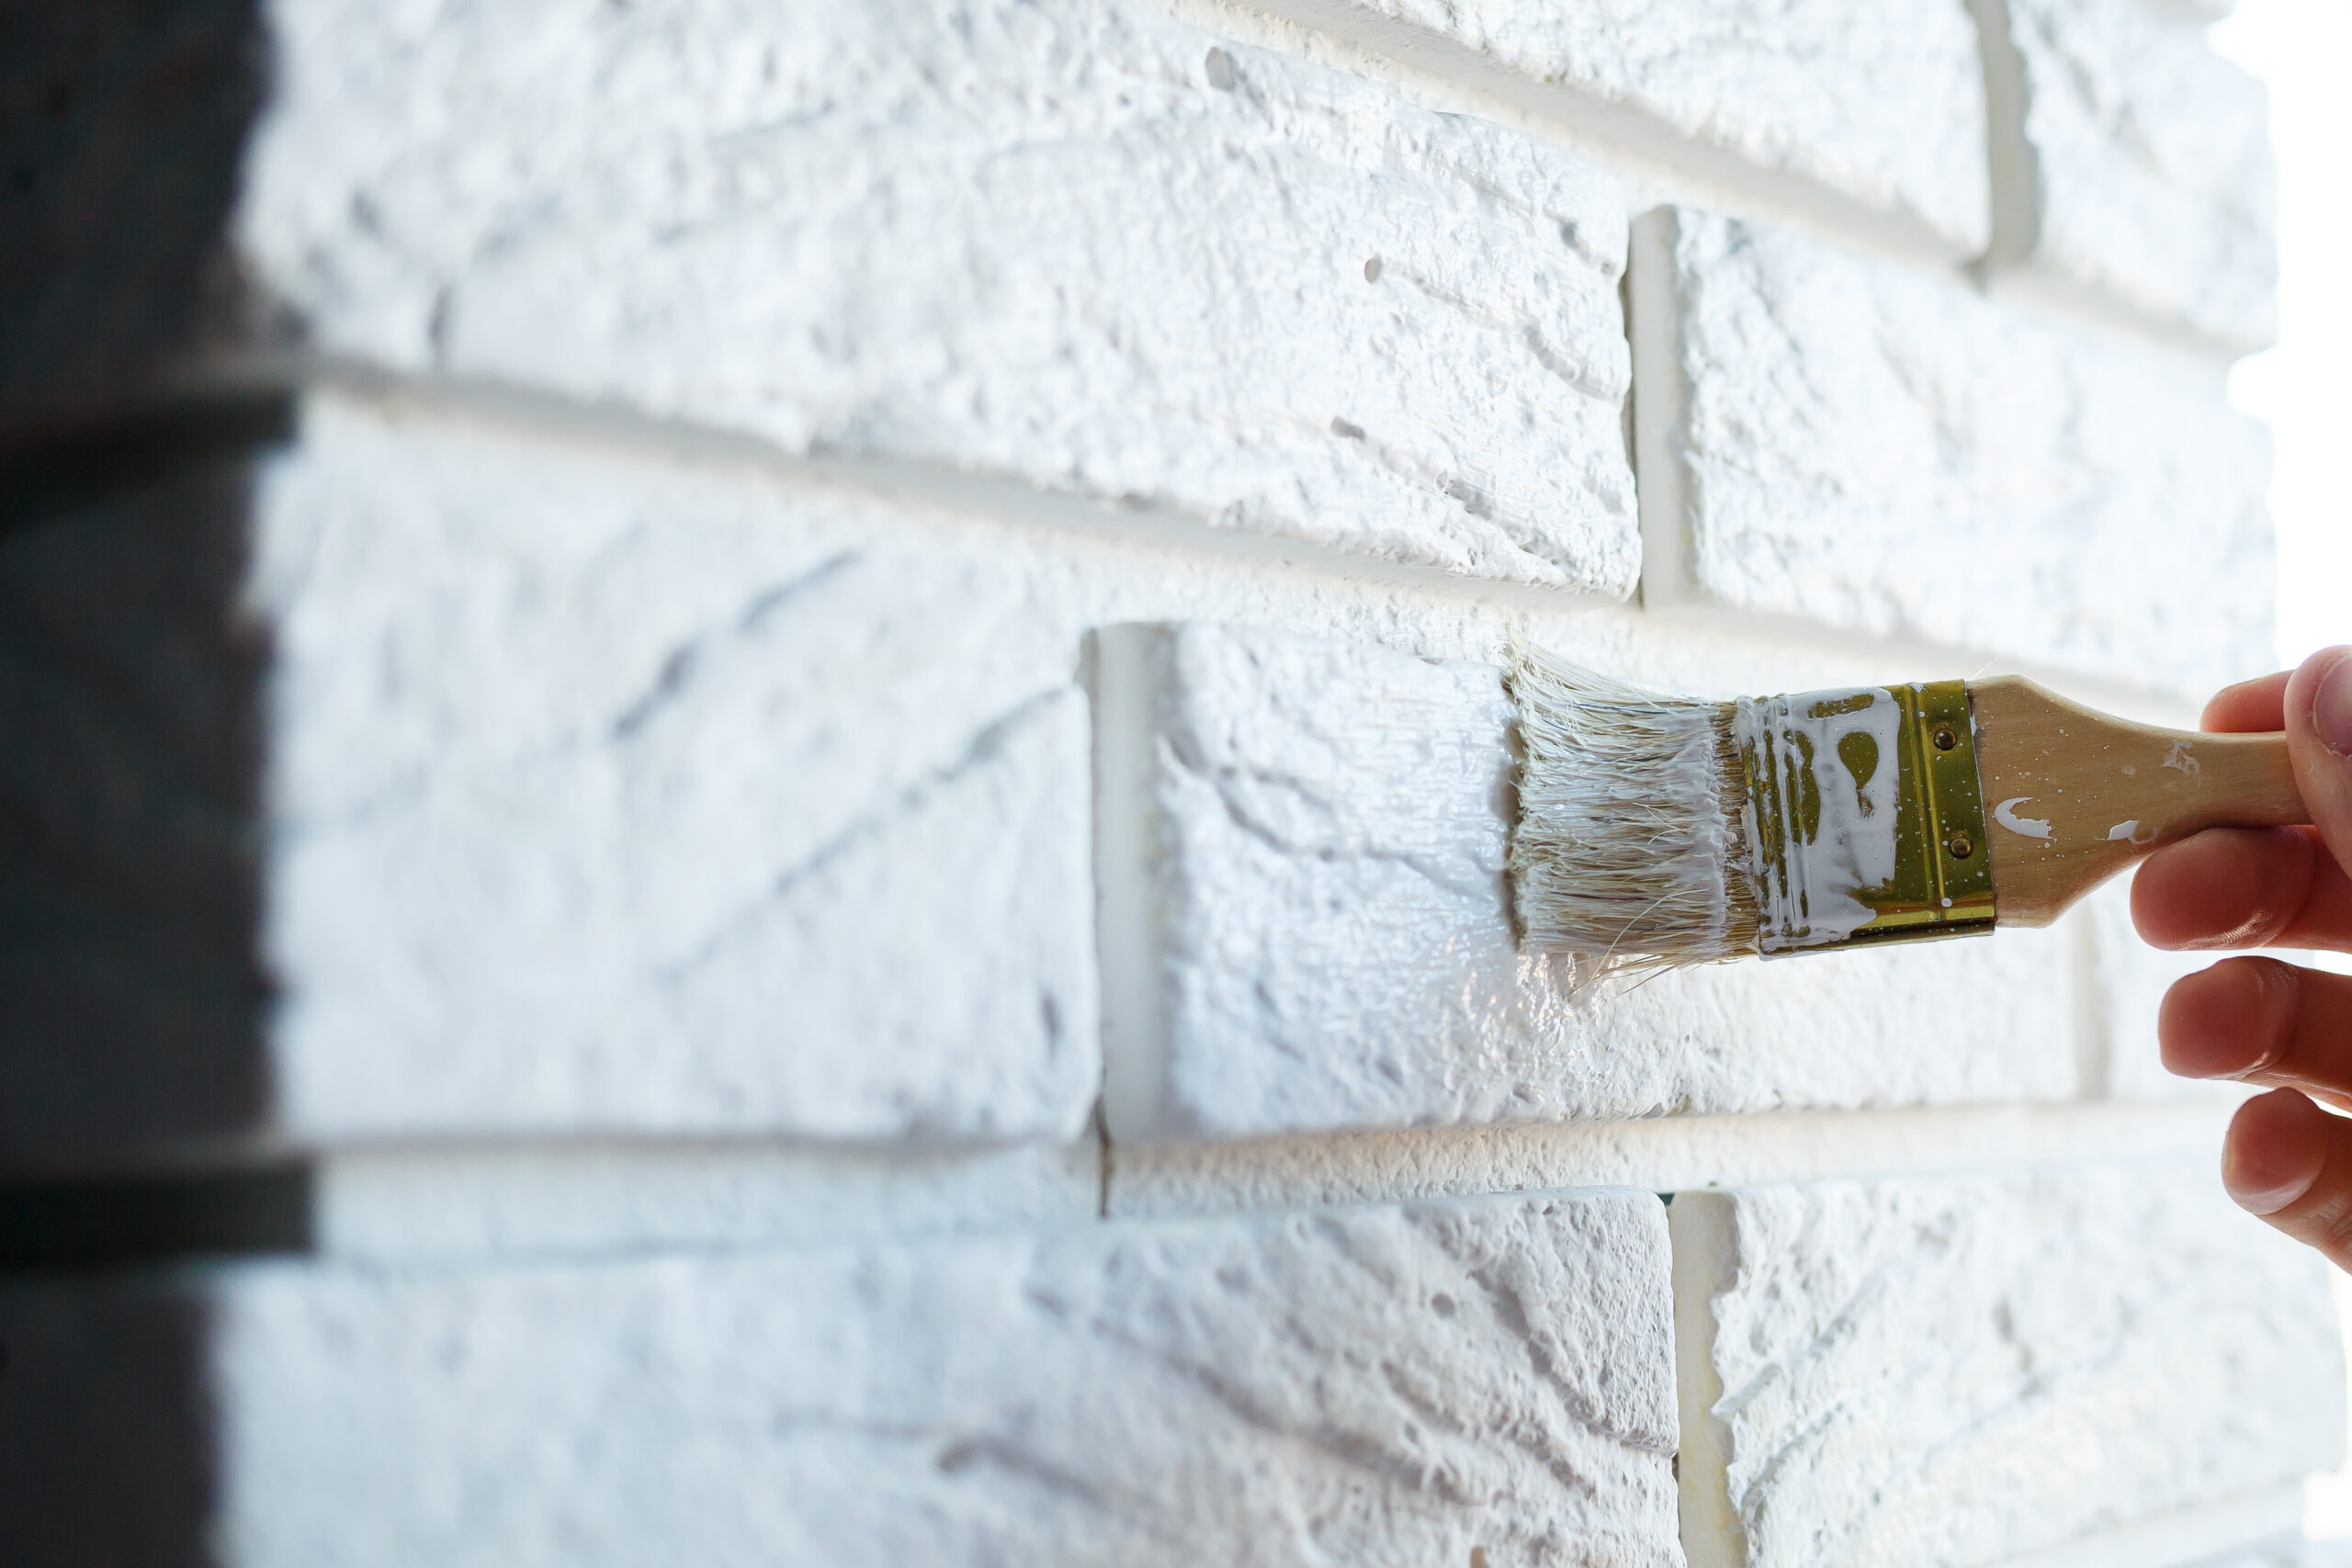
(2106,791)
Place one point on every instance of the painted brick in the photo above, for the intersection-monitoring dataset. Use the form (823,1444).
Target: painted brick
(546,802)
(1319,936)
(1081,244)
(1373,1385)
(1960,1371)
(1882,104)
(2134,162)
(1827,430)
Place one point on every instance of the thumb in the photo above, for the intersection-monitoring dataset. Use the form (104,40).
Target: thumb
(2318,739)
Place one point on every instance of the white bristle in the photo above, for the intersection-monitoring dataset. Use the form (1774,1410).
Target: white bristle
(1631,851)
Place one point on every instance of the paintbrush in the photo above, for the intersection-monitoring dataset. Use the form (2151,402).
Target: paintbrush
(1655,831)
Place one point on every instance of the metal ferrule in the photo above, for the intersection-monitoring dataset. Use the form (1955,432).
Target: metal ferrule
(1865,819)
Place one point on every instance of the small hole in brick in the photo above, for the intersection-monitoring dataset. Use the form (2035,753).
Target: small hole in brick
(1478,1557)
(1219,65)
(1568,235)
(1441,1304)
(1372,270)
(1341,427)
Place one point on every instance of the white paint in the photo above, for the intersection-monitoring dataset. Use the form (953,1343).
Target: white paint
(2178,755)
(2006,813)
(1118,1393)
(1330,944)
(1827,423)
(613,798)
(1968,1370)
(1033,240)
(1852,849)
(2128,831)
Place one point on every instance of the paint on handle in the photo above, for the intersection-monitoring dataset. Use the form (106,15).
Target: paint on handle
(1831,758)
(2006,813)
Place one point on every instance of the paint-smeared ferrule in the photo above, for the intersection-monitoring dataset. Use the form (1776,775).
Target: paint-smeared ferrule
(1866,821)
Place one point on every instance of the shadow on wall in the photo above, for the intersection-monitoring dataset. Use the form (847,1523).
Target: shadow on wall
(97,1388)
(123,126)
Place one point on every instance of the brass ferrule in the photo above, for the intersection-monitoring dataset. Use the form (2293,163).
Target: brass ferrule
(1850,847)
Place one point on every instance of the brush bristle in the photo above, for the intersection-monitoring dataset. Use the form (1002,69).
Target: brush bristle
(1631,851)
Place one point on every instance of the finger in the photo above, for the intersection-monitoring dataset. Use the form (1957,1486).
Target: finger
(2318,739)
(2229,887)
(2250,707)
(2261,1021)
(2291,1162)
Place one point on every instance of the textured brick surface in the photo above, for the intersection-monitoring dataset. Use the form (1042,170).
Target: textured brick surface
(1966,1370)
(1382,1386)
(1882,103)
(640,809)
(2145,170)
(644,805)
(1079,244)
(1852,442)
(1321,937)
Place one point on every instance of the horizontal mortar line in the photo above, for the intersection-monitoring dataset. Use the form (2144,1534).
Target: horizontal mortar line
(2057,300)
(1635,142)
(2183,1539)
(605,426)
(1631,140)
(1661,1153)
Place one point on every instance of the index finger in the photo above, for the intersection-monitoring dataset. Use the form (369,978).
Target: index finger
(2250,707)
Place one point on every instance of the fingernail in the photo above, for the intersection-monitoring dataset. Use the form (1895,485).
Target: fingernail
(2274,1152)
(2332,708)
(2265,1181)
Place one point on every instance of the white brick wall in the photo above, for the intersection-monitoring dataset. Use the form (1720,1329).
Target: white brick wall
(1882,105)
(1322,938)
(1061,241)
(1970,1371)
(2142,164)
(1840,439)
(776,731)
(1103,1395)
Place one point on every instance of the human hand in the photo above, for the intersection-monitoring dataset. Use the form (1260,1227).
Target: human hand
(2256,1020)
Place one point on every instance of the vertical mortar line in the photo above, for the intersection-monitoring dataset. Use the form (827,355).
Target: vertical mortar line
(1660,398)
(1123,687)
(1701,1231)
(2094,1018)
(2012,170)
